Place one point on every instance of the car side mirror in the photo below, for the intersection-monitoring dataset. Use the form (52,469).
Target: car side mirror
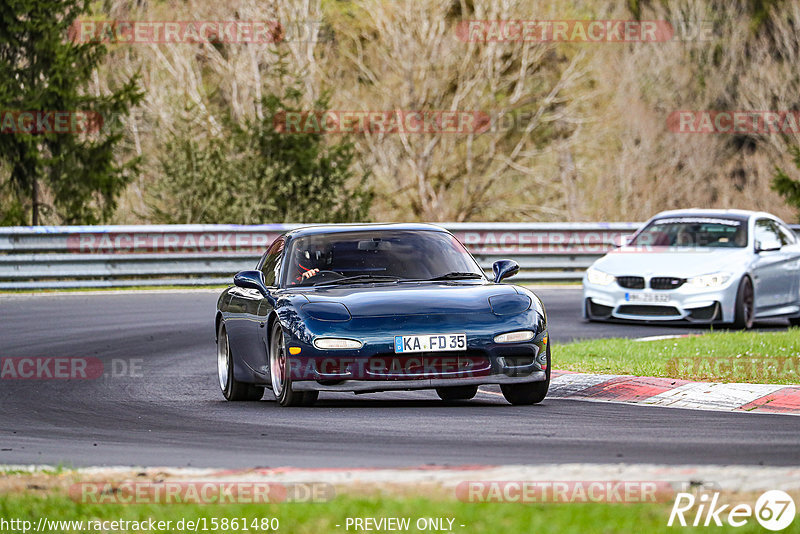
(251,280)
(768,246)
(622,240)
(504,269)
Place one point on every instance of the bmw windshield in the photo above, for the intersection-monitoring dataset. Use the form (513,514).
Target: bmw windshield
(691,232)
(378,256)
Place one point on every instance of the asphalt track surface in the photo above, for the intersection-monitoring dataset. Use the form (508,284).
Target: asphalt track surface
(171,413)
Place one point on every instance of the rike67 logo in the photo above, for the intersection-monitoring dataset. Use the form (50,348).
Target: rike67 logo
(774,510)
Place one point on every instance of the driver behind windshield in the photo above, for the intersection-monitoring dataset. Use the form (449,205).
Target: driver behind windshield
(307,265)
(399,255)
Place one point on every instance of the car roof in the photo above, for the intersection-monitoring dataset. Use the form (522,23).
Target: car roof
(739,215)
(361,227)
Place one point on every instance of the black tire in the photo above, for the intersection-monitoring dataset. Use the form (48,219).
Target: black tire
(588,315)
(529,393)
(457,393)
(232,389)
(745,305)
(794,321)
(279,370)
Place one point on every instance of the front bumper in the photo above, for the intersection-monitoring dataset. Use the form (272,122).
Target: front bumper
(715,305)
(374,386)
(376,366)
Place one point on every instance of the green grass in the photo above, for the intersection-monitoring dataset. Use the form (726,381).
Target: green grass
(317,518)
(755,357)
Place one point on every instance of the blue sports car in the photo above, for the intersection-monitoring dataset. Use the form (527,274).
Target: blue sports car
(368,308)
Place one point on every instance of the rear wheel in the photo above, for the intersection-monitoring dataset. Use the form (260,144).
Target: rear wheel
(232,389)
(794,321)
(528,393)
(457,393)
(279,372)
(745,305)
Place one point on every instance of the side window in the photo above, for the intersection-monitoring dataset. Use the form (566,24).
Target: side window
(767,234)
(788,237)
(272,264)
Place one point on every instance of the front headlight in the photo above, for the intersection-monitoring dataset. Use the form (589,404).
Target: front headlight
(514,337)
(709,280)
(336,343)
(599,277)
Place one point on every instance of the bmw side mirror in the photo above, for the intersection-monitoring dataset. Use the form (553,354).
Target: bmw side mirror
(504,269)
(250,280)
(768,246)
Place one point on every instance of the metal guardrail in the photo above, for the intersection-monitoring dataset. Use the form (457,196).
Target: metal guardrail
(190,255)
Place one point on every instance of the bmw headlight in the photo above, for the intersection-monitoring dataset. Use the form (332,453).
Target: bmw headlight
(599,277)
(709,280)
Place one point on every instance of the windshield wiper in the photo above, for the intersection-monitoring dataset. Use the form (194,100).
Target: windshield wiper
(455,276)
(359,278)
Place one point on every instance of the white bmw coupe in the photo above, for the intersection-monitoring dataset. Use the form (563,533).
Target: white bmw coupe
(706,266)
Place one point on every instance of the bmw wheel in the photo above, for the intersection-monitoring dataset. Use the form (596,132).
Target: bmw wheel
(232,389)
(745,305)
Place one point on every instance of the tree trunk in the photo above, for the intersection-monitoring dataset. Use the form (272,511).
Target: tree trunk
(35,204)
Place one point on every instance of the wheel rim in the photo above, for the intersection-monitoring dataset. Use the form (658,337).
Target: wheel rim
(747,301)
(223,360)
(277,363)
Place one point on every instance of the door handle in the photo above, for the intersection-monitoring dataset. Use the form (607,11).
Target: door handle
(261,325)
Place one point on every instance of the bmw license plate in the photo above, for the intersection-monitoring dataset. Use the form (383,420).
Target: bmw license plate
(430,343)
(646,297)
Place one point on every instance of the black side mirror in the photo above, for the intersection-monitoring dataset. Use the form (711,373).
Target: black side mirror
(251,280)
(622,240)
(504,269)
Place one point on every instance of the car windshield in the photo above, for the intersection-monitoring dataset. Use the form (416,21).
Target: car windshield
(385,255)
(690,232)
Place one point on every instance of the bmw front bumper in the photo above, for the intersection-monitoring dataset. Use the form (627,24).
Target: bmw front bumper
(686,303)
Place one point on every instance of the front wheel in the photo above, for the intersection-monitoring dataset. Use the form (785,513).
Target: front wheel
(528,393)
(279,372)
(232,389)
(457,393)
(745,305)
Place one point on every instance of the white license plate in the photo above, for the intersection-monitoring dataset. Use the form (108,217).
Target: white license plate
(430,343)
(646,297)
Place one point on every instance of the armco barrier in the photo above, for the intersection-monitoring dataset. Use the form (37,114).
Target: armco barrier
(185,255)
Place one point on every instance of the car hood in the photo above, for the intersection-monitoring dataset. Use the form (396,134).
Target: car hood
(671,262)
(411,298)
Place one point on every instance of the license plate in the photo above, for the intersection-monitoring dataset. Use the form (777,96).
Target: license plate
(646,297)
(430,343)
